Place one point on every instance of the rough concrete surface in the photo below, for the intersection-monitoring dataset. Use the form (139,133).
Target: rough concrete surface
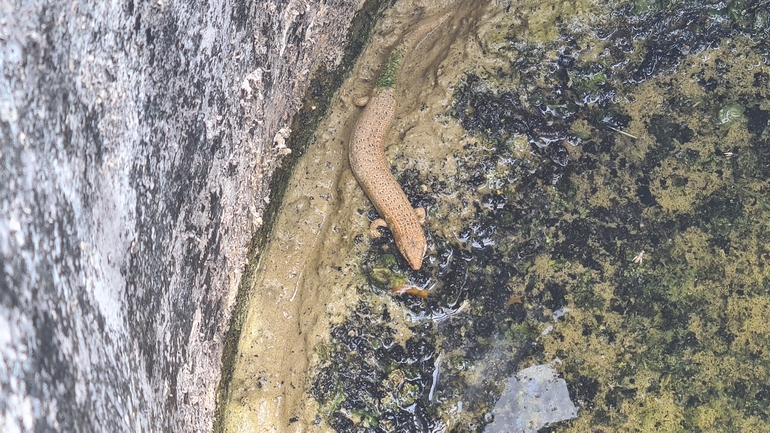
(136,146)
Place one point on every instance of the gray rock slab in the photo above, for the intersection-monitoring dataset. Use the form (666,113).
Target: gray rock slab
(136,147)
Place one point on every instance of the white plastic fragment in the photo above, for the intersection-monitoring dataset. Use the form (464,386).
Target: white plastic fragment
(533,398)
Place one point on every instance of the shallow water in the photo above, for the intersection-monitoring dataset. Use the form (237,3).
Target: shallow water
(595,181)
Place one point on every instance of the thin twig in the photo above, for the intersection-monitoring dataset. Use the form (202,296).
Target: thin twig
(621,132)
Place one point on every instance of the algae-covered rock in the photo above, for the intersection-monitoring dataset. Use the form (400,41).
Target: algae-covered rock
(596,193)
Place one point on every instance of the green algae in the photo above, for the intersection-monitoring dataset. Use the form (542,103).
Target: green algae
(729,114)
(387,78)
(386,274)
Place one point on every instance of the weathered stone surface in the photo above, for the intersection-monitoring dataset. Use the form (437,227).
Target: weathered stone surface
(136,147)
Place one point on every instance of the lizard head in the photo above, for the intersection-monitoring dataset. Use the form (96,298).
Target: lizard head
(413,251)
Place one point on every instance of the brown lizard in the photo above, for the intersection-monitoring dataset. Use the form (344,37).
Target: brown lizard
(367,159)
